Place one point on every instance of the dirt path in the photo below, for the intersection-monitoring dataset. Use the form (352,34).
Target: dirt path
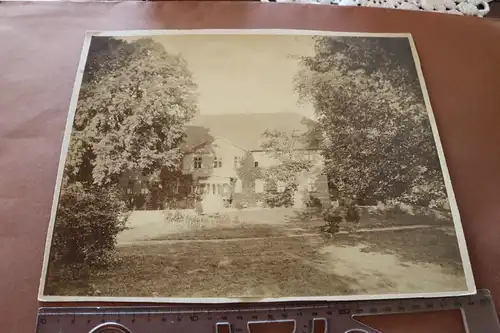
(381,273)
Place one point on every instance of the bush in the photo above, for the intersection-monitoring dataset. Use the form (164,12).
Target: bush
(240,205)
(352,214)
(85,229)
(333,217)
(313,202)
(273,198)
(187,220)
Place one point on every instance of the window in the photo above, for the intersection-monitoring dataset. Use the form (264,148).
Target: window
(219,189)
(280,186)
(256,164)
(311,184)
(237,161)
(259,186)
(217,162)
(176,186)
(309,156)
(214,189)
(197,162)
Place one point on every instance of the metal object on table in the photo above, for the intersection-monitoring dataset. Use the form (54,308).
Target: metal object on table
(478,312)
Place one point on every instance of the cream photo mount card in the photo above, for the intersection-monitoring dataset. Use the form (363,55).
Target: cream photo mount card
(220,166)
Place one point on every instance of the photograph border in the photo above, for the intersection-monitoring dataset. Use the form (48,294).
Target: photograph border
(464,255)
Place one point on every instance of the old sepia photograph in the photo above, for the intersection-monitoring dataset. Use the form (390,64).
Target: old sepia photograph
(252,165)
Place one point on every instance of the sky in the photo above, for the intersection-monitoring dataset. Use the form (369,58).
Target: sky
(243,73)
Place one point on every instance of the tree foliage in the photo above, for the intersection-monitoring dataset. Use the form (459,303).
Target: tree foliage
(86,226)
(377,141)
(288,151)
(134,101)
(291,160)
(248,172)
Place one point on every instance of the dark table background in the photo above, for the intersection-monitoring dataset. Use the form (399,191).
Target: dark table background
(40,45)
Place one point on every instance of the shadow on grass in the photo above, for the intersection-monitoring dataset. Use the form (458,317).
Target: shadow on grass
(431,245)
(252,268)
(283,267)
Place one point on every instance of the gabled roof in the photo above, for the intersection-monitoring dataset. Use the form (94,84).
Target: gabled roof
(210,141)
(245,130)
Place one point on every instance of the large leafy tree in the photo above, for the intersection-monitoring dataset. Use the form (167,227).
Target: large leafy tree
(134,101)
(377,141)
(288,151)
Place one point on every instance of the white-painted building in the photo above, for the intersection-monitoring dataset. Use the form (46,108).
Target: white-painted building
(217,145)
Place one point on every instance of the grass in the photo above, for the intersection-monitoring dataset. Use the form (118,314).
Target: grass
(371,219)
(272,267)
(253,268)
(391,218)
(433,246)
(242,231)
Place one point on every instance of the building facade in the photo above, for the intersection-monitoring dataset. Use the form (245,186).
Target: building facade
(219,159)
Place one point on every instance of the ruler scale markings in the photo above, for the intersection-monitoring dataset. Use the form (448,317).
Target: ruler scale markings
(478,312)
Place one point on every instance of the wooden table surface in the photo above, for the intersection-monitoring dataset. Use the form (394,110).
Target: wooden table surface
(40,45)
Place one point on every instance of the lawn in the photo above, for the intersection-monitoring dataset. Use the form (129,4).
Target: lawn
(157,225)
(242,231)
(252,265)
(247,268)
(432,246)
